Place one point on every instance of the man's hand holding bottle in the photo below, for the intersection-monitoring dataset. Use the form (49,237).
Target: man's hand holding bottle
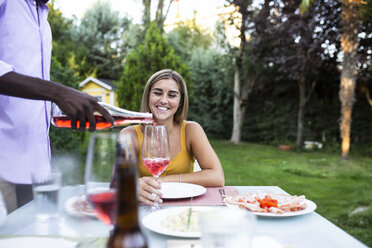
(80,106)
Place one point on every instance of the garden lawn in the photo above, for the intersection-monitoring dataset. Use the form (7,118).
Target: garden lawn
(337,187)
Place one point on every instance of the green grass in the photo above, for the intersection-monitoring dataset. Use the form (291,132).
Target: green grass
(337,187)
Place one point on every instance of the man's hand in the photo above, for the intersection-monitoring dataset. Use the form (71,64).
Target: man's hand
(80,106)
(77,105)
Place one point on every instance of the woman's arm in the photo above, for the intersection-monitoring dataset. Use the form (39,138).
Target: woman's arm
(198,144)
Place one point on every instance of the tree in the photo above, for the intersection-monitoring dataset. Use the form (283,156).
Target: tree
(210,64)
(160,14)
(212,104)
(131,37)
(297,44)
(244,69)
(99,33)
(155,54)
(349,44)
(187,37)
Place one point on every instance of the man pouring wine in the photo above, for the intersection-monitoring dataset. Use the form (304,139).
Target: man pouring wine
(26,95)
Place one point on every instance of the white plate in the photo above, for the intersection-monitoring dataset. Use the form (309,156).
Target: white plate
(310,207)
(181,190)
(154,221)
(70,209)
(39,242)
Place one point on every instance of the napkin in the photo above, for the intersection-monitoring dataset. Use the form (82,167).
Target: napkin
(211,197)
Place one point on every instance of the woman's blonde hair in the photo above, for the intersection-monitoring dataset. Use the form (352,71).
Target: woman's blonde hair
(183,108)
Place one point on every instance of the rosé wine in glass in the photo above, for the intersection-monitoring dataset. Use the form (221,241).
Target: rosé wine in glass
(98,176)
(156,151)
(104,203)
(156,166)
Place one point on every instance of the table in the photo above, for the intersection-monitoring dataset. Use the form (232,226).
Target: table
(310,230)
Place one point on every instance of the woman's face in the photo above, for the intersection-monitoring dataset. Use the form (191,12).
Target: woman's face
(164,99)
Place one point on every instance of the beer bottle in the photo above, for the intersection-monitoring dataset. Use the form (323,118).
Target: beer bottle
(126,232)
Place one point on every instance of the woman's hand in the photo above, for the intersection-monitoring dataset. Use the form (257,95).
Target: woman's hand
(149,191)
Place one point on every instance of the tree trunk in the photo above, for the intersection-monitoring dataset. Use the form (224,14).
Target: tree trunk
(238,108)
(301,111)
(237,115)
(247,89)
(146,13)
(159,18)
(240,105)
(369,99)
(349,44)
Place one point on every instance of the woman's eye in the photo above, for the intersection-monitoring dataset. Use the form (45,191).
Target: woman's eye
(172,95)
(157,93)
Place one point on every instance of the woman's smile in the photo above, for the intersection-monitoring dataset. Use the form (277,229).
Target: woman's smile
(164,99)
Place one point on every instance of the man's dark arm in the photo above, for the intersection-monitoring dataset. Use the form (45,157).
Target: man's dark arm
(75,104)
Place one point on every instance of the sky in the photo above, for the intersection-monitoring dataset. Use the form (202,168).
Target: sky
(207,12)
(133,8)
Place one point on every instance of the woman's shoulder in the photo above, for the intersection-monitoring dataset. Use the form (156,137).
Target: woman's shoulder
(192,124)
(131,130)
(193,127)
(128,130)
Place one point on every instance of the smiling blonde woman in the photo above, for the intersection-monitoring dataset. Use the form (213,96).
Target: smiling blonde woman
(165,96)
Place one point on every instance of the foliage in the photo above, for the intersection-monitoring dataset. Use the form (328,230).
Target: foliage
(155,54)
(297,49)
(187,37)
(271,109)
(212,75)
(63,140)
(60,26)
(364,50)
(131,37)
(65,50)
(337,187)
(99,33)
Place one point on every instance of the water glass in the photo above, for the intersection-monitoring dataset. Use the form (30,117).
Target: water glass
(222,228)
(46,194)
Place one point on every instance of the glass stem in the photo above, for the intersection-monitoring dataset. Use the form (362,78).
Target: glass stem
(156,205)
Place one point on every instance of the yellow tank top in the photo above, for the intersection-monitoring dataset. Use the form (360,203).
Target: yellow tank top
(183,162)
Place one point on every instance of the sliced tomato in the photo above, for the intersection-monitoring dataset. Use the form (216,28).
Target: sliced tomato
(268,203)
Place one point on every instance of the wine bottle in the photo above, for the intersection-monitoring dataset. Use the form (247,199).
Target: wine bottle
(121,116)
(127,232)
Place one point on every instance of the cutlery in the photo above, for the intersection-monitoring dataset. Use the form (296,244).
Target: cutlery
(223,195)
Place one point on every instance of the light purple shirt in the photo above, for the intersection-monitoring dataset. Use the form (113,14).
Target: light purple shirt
(25,47)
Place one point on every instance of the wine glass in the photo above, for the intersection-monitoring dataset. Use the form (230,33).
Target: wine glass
(156,151)
(98,175)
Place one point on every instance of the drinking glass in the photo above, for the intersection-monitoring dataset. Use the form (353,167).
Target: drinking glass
(46,189)
(98,175)
(224,228)
(156,151)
